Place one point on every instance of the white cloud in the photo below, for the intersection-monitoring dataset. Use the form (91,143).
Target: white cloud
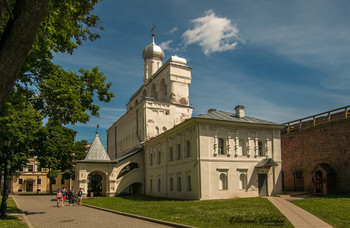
(173,30)
(165,45)
(212,33)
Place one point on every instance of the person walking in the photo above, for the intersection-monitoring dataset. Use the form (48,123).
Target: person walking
(80,197)
(64,194)
(72,197)
(59,198)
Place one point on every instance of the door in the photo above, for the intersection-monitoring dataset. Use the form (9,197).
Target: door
(262,184)
(95,184)
(29,187)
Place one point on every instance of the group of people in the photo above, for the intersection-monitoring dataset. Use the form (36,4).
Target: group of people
(72,195)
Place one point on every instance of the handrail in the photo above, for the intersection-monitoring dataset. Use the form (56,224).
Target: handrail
(315,117)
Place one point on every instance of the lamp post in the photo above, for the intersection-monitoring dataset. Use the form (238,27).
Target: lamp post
(6,145)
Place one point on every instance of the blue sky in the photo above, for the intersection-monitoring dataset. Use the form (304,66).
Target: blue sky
(281,59)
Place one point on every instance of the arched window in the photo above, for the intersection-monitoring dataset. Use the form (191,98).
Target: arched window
(150,185)
(144,93)
(163,90)
(154,92)
(127,169)
(136,102)
(243,181)
(158,185)
(179,184)
(159,158)
(223,181)
(171,184)
(171,154)
(189,186)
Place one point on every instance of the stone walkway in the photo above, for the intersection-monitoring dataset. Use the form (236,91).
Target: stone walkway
(42,211)
(297,216)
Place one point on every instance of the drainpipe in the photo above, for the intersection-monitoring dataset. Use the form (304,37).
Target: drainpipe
(199,163)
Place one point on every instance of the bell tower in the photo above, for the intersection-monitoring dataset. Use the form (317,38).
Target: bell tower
(152,56)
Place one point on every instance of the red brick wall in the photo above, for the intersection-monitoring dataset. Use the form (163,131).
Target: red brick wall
(325,143)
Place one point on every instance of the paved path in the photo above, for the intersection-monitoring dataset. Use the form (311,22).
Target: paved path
(42,211)
(297,216)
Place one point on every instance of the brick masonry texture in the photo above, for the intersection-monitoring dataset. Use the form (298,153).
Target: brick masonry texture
(326,143)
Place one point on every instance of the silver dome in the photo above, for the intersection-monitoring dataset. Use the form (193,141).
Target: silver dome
(152,51)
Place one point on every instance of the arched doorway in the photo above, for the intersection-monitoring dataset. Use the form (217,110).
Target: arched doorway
(95,184)
(319,182)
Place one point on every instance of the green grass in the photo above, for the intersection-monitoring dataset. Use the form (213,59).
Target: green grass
(333,209)
(211,213)
(11,220)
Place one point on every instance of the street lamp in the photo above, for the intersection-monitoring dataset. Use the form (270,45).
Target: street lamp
(6,145)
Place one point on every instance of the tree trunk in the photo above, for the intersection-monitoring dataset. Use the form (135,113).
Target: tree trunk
(17,40)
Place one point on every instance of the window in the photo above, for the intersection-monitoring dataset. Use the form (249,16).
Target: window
(189,186)
(171,184)
(179,184)
(158,185)
(19,190)
(260,148)
(150,159)
(188,148)
(30,168)
(128,168)
(150,185)
(298,175)
(171,156)
(38,181)
(159,157)
(243,181)
(223,181)
(62,180)
(242,148)
(20,181)
(221,146)
(178,151)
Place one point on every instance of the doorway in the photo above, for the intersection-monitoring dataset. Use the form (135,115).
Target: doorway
(319,182)
(29,186)
(95,184)
(262,184)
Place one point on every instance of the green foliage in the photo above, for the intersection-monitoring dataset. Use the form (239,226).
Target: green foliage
(19,122)
(57,149)
(46,90)
(65,96)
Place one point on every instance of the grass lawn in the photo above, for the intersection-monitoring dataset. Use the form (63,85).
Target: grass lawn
(211,213)
(333,209)
(11,220)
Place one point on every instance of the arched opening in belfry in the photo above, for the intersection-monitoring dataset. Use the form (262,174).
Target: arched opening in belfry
(154,92)
(163,90)
(96,184)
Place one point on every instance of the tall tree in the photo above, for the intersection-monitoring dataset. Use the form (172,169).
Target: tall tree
(57,149)
(23,21)
(47,90)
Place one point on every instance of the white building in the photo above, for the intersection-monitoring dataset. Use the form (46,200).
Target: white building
(158,149)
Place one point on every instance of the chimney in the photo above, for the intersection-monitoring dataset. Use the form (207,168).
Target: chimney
(239,111)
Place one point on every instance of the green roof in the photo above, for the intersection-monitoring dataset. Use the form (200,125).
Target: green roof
(227,116)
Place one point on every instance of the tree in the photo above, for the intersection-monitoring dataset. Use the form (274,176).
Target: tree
(45,89)
(19,122)
(57,150)
(23,21)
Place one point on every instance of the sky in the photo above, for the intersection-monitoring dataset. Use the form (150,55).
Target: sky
(281,59)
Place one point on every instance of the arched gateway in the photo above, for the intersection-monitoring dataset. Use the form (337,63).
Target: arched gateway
(98,175)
